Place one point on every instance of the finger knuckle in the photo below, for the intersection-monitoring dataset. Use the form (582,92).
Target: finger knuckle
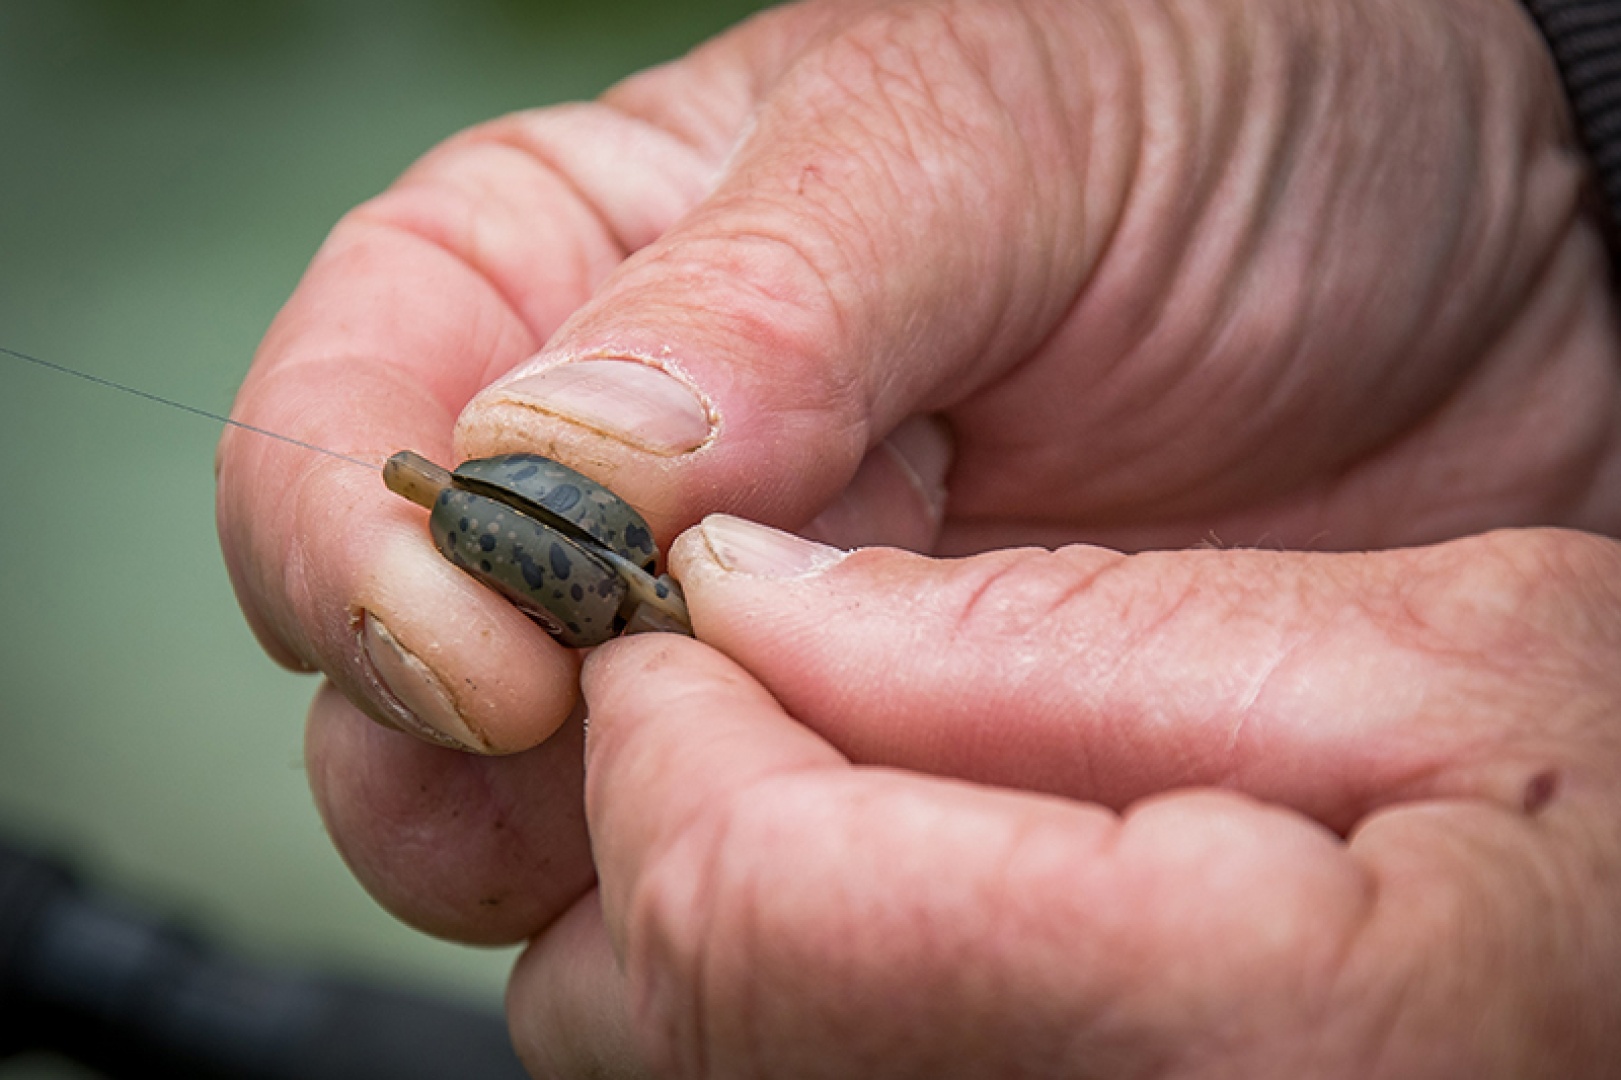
(686,940)
(1013,595)
(1527,597)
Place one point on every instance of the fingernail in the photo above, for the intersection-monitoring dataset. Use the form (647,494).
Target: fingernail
(424,706)
(922,448)
(747,548)
(635,403)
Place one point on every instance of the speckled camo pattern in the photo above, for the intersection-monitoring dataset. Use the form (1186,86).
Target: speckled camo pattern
(556,489)
(554,580)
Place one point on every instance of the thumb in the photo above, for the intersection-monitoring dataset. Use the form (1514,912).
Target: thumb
(878,244)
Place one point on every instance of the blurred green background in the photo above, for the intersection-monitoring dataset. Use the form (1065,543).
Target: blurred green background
(168,168)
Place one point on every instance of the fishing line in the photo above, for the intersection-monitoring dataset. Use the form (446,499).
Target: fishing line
(183,407)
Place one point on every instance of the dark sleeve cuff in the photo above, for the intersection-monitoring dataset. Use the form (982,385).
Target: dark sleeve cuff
(1585,36)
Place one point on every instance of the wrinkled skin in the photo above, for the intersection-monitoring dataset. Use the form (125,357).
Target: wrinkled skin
(1192,275)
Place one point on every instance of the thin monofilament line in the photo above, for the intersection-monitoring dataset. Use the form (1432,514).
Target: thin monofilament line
(183,407)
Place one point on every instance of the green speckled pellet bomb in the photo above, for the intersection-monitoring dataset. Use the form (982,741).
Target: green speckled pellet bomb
(567,551)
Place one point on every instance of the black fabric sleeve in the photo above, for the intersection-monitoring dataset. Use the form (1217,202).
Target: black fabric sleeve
(1585,36)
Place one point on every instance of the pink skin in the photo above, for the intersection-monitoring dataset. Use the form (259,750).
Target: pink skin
(1244,271)
(767,908)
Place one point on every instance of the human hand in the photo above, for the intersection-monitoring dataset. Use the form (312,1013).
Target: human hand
(1150,265)
(1307,274)
(1317,815)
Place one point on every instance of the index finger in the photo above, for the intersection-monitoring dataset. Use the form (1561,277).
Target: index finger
(413,304)
(776,912)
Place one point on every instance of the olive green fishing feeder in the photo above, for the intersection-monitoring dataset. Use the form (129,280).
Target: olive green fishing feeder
(569,553)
